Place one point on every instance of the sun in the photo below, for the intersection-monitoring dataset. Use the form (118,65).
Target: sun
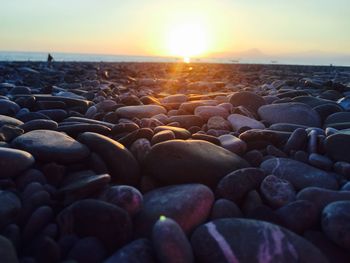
(187,39)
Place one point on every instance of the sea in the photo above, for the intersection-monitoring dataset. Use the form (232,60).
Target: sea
(76,57)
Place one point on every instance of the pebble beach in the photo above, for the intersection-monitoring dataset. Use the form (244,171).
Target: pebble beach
(174,163)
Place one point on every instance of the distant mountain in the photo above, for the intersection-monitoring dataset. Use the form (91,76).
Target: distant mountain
(316,57)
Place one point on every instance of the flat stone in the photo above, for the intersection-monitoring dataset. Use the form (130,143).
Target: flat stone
(9,120)
(338,117)
(206,112)
(14,162)
(51,146)
(246,240)
(247,99)
(188,204)
(140,111)
(239,121)
(295,113)
(187,121)
(191,161)
(299,174)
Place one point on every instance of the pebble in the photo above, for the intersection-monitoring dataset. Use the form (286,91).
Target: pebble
(276,191)
(322,197)
(124,196)
(178,162)
(336,223)
(293,112)
(140,250)
(188,204)
(7,251)
(235,185)
(337,146)
(14,161)
(51,146)
(108,223)
(233,144)
(299,174)
(206,112)
(121,164)
(96,155)
(10,207)
(239,121)
(170,242)
(247,99)
(252,241)
(140,111)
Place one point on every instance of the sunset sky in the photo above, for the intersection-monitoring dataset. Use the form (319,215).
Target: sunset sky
(176,28)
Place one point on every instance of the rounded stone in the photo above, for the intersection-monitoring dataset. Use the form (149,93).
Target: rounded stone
(191,161)
(247,99)
(224,208)
(96,251)
(322,197)
(8,107)
(9,209)
(13,162)
(218,123)
(298,216)
(138,251)
(337,146)
(51,146)
(276,191)
(124,196)
(235,185)
(336,223)
(7,251)
(9,120)
(299,174)
(162,136)
(39,125)
(206,112)
(140,111)
(188,204)
(293,112)
(232,143)
(246,240)
(170,242)
(89,217)
(120,162)
(239,121)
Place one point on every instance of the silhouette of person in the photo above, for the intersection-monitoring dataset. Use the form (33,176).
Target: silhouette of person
(49,58)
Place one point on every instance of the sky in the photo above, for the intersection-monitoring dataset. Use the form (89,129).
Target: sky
(177,28)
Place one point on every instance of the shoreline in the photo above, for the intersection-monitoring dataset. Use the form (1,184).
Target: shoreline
(132,161)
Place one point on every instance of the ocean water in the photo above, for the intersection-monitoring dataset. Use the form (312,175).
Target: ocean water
(75,57)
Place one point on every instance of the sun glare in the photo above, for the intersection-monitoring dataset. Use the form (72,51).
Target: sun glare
(187,39)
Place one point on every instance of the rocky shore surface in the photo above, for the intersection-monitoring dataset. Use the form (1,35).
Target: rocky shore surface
(148,162)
